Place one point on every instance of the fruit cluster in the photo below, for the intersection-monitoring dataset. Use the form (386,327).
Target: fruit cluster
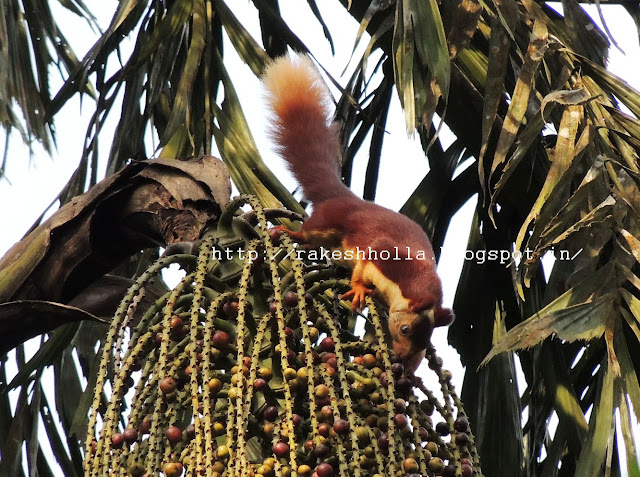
(254,368)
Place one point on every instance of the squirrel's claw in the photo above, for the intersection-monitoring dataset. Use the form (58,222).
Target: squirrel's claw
(280,229)
(358,292)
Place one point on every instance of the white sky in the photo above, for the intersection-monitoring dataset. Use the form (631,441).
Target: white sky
(32,183)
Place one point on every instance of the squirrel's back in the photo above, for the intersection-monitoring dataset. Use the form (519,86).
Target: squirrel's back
(302,128)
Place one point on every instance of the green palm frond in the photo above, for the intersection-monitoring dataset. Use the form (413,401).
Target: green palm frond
(32,44)
(557,164)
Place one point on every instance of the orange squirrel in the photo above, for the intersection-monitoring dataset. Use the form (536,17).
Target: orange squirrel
(389,253)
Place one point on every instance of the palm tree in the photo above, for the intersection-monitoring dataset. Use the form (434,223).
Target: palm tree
(554,161)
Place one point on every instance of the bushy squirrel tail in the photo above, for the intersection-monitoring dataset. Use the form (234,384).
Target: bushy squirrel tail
(302,126)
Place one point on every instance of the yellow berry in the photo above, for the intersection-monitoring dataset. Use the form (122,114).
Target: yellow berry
(215,385)
(289,373)
(304,470)
(223,452)
(410,465)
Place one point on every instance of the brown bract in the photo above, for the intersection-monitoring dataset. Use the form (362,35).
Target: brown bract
(147,204)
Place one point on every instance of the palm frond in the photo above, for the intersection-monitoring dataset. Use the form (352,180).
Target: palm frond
(558,167)
(32,45)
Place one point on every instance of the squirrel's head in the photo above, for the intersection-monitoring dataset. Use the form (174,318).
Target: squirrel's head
(411,332)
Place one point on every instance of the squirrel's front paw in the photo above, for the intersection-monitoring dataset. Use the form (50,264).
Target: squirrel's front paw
(359,293)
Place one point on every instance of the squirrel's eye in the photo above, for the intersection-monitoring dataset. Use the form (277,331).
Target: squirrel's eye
(405,329)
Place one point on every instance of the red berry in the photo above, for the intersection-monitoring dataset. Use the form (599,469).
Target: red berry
(321,451)
(401,421)
(230,309)
(178,328)
(327,356)
(173,435)
(297,420)
(461,424)
(467,470)
(325,470)
(281,449)
(462,439)
(190,431)
(404,386)
(271,413)
(383,441)
(130,435)
(326,412)
(315,357)
(332,363)
(145,426)
(168,385)
(188,370)
(221,339)
(397,369)
(323,429)
(341,426)
(274,234)
(259,384)
(327,344)
(290,299)
(330,359)
(449,471)
(117,440)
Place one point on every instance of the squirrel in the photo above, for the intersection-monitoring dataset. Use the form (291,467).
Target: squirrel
(388,252)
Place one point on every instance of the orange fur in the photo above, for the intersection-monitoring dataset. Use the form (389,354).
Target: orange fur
(296,84)
(308,140)
(303,128)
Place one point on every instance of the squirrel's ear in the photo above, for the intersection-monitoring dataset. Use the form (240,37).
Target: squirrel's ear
(425,304)
(443,317)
